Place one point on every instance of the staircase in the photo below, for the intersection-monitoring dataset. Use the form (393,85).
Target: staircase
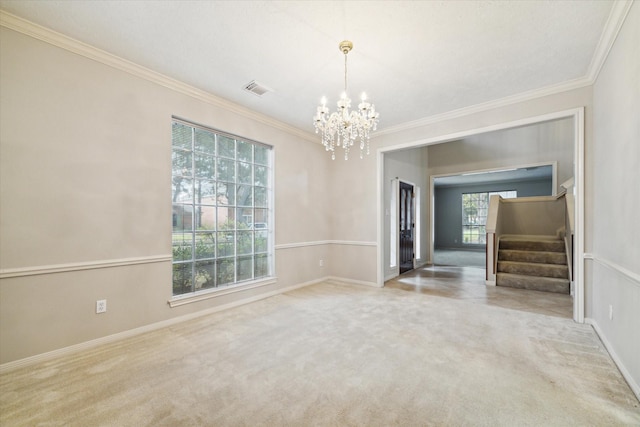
(533,262)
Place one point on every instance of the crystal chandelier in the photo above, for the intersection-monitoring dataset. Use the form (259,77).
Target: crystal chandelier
(344,127)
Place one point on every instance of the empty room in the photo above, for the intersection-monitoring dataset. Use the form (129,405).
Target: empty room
(328,213)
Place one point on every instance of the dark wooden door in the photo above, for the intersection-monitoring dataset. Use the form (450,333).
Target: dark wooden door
(407,225)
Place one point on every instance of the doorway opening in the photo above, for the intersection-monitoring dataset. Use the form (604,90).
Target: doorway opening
(576,166)
(460,207)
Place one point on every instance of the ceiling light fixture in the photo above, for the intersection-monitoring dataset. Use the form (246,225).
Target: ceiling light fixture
(343,127)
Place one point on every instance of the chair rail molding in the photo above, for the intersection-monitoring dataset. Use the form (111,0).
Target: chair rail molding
(324,242)
(633,277)
(77,266)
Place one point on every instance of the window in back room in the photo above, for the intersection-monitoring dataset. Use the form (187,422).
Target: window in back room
(474,215)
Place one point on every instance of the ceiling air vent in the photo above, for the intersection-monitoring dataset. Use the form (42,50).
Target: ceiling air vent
(257,88)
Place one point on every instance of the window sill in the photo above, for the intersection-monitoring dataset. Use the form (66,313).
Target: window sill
(179,300)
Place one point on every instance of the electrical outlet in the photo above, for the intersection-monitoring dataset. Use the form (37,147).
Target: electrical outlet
(101,306)
(321,263)
(610,312)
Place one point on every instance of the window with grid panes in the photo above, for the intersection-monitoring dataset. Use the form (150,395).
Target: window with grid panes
(474,215)
(221,196)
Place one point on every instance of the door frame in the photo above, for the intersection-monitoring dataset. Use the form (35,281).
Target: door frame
(577,115)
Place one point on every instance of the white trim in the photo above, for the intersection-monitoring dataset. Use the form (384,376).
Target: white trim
(635,387)
(351,243)
(60,40)
(77,266)
(325,242)
(471,132)
(301,244)
(617,16)
(417,247)
(87,345)
(380,278)
(432,215)
(532,199)
(394,227)
(579,203)
(341,280)
(568,184)
(634,277)
(189,298)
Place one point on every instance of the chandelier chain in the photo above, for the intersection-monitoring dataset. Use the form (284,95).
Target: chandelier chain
(345,72)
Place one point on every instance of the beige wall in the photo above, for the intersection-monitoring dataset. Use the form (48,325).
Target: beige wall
(352,217)
(85,179)
(84,167)
(614,279)
(532,216)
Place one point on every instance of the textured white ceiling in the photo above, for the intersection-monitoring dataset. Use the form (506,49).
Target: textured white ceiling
(415,59)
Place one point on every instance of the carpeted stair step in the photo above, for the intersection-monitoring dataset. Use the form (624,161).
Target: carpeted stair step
(532,256)
(534,269)
(546,284)
(541,244)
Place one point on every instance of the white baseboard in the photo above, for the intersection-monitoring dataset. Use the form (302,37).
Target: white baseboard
(635,387)
(43,357)
(490,282)
(352,281)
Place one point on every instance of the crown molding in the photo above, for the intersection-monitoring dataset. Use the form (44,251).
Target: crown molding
(54,38)
(614,23)
(489,105)
(617,16)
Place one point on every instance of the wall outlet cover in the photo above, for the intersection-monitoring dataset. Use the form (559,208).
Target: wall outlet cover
(101,306)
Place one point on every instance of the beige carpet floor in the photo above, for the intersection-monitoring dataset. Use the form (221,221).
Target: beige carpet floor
(335,355)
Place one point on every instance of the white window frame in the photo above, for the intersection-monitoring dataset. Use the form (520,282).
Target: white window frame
(235,285)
